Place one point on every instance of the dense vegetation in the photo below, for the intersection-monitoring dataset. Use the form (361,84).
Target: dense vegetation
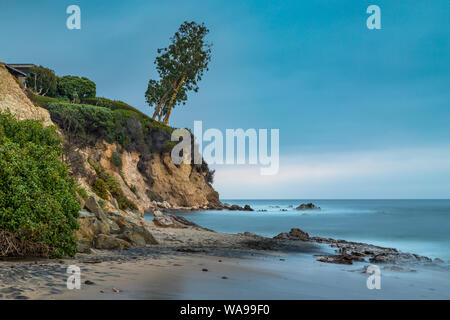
(86,123)
(76,88)
(43,82)
(38,206)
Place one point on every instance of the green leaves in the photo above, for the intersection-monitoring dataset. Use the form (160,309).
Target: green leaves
(38,201)
(75,88)
(42,81)
(180,67)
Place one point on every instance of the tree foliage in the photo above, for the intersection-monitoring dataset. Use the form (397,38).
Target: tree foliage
(42,81)
(76,88)
(180,67)
(38,205)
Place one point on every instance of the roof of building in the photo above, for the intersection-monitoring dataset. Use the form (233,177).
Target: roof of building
(12,69)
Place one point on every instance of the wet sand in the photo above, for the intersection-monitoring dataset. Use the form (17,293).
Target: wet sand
(196,264)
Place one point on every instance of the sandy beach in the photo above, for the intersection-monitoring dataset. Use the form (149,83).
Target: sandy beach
(195,264)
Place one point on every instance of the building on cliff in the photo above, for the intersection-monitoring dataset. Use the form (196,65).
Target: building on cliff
(19,70)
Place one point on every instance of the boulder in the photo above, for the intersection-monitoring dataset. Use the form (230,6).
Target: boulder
(307,206)
(248,208)
(294,234)
(89,227)
(103,241)
(93,206)
(165,220)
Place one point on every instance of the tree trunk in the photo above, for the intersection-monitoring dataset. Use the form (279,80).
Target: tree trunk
(169,110)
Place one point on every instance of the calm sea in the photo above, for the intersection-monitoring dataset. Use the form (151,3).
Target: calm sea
(417,226)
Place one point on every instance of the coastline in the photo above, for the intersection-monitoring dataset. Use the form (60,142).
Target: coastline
(190,263)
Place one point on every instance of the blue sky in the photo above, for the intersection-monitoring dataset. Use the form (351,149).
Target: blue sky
(362,113)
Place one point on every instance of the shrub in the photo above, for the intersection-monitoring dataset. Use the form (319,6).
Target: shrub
(81,192)
(75,88)
(43,101)
(112,185)
(110,104)
(116,159)
(130,129)
(100,189)
(38,205)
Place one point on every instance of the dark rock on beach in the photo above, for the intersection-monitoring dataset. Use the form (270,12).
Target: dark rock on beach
(294,234)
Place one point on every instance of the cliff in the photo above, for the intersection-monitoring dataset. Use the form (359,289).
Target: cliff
(142,168)
(13,98)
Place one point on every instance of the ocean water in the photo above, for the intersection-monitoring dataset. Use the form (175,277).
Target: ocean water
(417,226)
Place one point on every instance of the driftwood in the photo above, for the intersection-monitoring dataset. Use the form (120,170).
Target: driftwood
(12,246)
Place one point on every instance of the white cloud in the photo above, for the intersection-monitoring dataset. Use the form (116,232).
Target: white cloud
(390,173)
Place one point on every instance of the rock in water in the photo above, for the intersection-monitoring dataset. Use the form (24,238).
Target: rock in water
(294,234)
(307,206)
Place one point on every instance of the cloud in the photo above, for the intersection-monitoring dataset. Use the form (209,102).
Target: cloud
(389,173)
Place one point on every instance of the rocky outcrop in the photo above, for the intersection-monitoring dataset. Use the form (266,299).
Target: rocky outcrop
(173,221)
(294,234)
(307,206)
(236,207)
(348,252)
(111,230)
(152,183)
(13,98)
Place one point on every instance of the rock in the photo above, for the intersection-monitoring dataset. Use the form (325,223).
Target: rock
(85,214)
(173,221)
(165,221)
(138,236)
(115,204)
(307,206)
(103,241)
(89,282)
(235,207)
(294,234)
(89,227)
(339,259)
(437,260)
(93,206)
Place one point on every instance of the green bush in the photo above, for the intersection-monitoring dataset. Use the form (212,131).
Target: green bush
(116,159)
(43,101)
(81,192)
(99,187)
(112,185)
(37,198)
(75,88)
(130,129)
(110,104)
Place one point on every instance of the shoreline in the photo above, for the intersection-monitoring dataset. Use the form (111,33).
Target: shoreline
(192,263)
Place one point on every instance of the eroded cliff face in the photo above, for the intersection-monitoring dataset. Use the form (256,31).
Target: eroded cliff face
(13,98)
(146,180)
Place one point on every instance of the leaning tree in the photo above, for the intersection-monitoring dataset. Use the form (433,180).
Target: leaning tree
(180,67)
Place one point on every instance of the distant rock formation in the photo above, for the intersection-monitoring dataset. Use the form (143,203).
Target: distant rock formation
(307,206)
